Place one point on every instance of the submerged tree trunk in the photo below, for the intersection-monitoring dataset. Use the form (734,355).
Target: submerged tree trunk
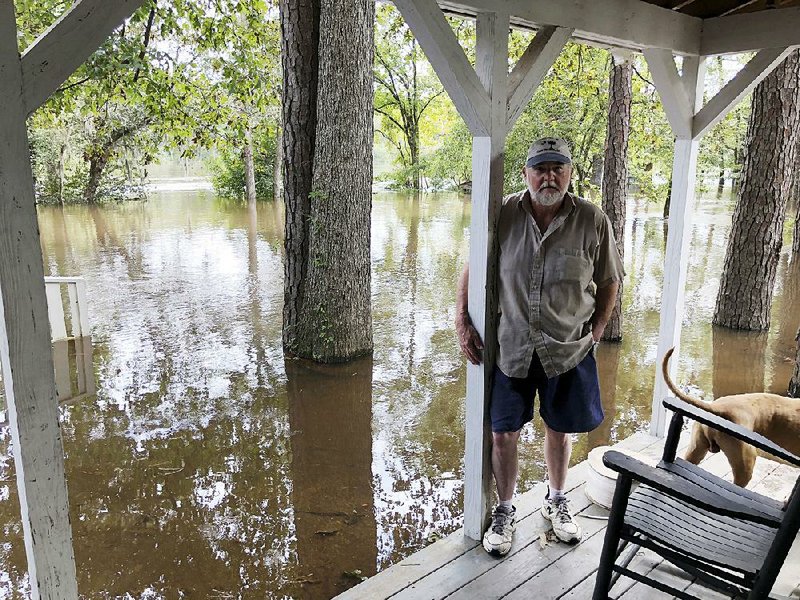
(615,171)
(249,167)
(99,155)
(745,292)
(98,160)
(336,323)
(796,234)
(300,57)
(277,169)
(328,178)
(794,382)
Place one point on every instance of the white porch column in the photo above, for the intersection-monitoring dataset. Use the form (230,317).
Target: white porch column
(487,193)
(25,352)
(684,167)
(682,97)
(489,100)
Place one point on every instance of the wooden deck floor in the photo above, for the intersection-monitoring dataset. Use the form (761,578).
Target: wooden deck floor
(458,568)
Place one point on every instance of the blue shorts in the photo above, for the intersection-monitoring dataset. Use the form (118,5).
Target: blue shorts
(568,403)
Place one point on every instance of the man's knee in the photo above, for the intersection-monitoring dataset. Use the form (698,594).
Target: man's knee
(556,438)
(505,440)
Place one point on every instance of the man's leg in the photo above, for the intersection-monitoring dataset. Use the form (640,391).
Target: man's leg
(557,450)
(504,463)
(497,539)
(555,508)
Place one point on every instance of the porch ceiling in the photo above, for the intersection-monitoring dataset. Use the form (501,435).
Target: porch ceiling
(706,9)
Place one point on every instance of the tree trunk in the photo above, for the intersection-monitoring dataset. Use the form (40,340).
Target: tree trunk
(327,316)
(277,171)
(99,155)
(413,150)
(796,234)
(300,57)
(615,171)
(98,160)
(337,324)
(794,382)
(751,261)
(249,167)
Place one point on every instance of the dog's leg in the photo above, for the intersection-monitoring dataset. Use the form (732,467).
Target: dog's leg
(698,446)
(742,458)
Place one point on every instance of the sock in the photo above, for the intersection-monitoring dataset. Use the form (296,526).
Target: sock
(506,504)
(553,494)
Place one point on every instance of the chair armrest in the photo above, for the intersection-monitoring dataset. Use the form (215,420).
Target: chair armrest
(673,485)
(721,424)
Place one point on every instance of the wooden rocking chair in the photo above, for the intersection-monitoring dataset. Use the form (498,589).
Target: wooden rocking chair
(729,538)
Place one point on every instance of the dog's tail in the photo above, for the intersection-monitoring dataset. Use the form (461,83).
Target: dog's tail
(675,390)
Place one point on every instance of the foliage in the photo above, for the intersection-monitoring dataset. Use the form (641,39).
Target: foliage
(406,89)
(228,167)
(184,74)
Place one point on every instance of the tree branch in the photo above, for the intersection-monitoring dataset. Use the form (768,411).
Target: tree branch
(147,31)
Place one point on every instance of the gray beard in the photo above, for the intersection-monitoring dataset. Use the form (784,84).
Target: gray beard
(546,197)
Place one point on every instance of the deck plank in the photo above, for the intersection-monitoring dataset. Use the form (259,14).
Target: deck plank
(534,561)
(477,562)
(458,568)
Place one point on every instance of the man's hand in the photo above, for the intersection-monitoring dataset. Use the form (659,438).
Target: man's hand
(605,299)
(469,340)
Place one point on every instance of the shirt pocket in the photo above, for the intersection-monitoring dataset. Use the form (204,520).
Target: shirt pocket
(571,265)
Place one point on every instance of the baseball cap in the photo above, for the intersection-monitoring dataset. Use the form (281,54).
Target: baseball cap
(548,149)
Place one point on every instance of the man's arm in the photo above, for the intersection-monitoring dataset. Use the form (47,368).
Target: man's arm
(605,298)
(468,338)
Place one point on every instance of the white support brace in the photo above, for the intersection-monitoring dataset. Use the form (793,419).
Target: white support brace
(487,192)
(25,353)
(777,28)
(761,65)
(672,89)
(441,47)
(55,54)
(532,67)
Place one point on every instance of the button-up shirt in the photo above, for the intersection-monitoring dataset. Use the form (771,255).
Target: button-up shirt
(547,283)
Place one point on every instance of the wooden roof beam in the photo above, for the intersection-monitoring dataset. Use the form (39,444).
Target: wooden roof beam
(631,24)
(778,28)
(60,50)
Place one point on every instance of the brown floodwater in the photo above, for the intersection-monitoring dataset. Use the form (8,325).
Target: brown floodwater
(202,464)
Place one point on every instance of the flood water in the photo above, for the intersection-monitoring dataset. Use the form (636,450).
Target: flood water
(204,465)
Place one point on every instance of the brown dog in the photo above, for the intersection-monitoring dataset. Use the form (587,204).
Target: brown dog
(775,417)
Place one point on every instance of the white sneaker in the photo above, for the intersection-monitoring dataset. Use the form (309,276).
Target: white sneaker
(497,539)
(564,526)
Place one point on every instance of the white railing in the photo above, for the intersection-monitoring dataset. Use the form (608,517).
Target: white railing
(79,328)
(79,314)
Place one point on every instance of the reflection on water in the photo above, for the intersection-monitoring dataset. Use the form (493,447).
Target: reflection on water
(204,465)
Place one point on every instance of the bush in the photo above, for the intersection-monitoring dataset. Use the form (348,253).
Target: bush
(228,166)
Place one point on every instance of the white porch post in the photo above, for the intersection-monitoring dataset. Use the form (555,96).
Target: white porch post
(684,168)
(682,97)
(489,101)
(487,192)
(25,352)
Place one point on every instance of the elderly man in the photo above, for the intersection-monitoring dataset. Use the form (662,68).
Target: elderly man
(559,271)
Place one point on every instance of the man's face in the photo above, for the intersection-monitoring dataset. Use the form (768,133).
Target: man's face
(547,182)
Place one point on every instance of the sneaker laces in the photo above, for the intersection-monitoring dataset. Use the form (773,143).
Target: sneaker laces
(500,519)
(562,510)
